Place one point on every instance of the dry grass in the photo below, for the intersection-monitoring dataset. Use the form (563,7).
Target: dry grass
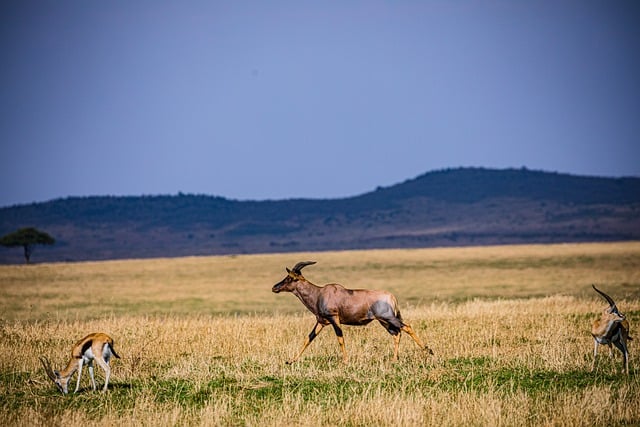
(203,340)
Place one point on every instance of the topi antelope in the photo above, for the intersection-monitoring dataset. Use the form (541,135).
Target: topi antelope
(611,328)
(334,305)
(96,346)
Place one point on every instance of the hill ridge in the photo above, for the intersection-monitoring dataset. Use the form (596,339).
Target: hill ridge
(460,206)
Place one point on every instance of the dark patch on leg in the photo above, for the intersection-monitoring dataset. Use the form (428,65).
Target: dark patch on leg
(312,335)
(391,328)
(388,317)
(336,327)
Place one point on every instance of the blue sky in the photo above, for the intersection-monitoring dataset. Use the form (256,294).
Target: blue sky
(273,100)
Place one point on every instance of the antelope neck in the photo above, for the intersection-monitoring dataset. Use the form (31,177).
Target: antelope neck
(307,293)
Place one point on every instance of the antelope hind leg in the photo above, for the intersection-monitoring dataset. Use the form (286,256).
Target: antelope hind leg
(107,373)
(396,345)
(408,329)
(622,346)
(335,322)
(93,381)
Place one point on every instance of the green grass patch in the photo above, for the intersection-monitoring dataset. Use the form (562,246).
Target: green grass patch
(483,373)
(255,391)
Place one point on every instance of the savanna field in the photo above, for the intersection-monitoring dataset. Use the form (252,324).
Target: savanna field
(203,340)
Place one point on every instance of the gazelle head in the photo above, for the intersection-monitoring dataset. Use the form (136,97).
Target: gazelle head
(611,313)
(293,276)
(61,382)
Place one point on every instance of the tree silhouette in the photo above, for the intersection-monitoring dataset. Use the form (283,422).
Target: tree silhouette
(27,238)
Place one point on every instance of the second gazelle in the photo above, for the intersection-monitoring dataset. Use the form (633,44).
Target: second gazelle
(611,328)
(97,346)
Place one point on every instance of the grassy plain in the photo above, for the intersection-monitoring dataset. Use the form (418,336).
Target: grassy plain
(203,340)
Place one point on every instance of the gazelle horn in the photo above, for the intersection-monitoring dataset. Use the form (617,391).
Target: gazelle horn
(47,368)
(607,297)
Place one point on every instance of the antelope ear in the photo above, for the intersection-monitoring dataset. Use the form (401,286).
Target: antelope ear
(288,271)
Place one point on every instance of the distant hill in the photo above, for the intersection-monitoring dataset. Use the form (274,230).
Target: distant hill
(453,207)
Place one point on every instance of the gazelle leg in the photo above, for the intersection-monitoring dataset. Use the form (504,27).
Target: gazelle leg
(93,381)
(595,354)
(314,332)
(626,360)
(107,373)
(80,363)
(622,346)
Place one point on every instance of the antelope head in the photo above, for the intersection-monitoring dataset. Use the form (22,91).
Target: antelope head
(611,313)
(294,275)
(61,382)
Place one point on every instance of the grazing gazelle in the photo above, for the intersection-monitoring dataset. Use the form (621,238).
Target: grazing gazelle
(611,328)
(96,346)
(334,305)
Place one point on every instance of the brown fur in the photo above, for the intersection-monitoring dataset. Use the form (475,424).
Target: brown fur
(335,305)
(80,356)
(612,328)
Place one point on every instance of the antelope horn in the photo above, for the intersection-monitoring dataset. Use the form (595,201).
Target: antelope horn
(299,266)
(47,368)
(607,297)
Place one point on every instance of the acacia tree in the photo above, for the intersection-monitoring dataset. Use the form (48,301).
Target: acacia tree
(27,238)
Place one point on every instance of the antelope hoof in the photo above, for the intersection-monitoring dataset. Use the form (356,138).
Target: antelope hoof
(428,350)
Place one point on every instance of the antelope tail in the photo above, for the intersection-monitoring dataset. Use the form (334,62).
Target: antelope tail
(113,351)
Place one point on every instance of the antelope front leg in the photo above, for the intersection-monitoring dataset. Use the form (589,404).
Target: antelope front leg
(595,354)
(80,363)
(314,332)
